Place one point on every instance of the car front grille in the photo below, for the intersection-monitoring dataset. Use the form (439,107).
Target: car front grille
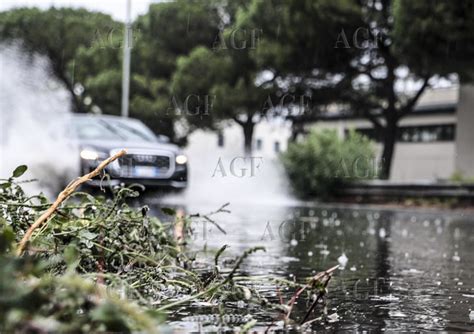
(128,162)
(133,160)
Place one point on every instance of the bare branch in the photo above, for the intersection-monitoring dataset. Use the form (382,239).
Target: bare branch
(238,121)
(63,195)
(407,108)
(375,121)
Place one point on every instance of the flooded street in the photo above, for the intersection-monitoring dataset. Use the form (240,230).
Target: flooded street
(401,270)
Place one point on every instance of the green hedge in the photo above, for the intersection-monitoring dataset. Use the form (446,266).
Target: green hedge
(323,161)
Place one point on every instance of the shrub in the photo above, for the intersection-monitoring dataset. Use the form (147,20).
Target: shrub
(459,177)
(323,161)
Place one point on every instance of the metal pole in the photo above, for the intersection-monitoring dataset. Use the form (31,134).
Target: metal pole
(126,61)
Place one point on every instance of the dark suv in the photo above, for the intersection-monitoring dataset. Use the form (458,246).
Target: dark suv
(151,160)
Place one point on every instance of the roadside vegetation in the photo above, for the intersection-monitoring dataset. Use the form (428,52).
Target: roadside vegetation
(459,177)
(323,161)
(97,264)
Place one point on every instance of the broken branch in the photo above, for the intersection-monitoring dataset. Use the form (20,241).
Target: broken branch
(63,195)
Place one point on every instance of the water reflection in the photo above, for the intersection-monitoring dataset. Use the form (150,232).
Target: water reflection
(404,270)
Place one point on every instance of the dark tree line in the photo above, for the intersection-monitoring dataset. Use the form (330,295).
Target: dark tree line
(199,63)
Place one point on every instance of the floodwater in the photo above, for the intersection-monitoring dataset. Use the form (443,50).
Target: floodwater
(403,270)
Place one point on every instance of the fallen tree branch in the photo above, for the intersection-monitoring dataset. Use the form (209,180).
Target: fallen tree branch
(315,279)
(63,195)
(320,295)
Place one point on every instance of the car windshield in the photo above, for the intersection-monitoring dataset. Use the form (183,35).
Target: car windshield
(102,129)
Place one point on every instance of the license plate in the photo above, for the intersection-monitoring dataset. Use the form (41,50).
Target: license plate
(145,171)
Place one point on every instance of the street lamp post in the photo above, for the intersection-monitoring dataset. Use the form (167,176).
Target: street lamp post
(126,61)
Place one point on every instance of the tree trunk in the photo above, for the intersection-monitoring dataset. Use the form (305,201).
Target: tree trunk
(248,128)
(296,130)
(389,139)
(389,132)
(77,105)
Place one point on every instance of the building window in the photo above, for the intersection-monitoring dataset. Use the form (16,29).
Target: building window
(220,139)
(258,144)
(277,147)
(417,134)
(427,133)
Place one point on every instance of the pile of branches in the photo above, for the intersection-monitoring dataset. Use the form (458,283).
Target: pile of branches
(93,263)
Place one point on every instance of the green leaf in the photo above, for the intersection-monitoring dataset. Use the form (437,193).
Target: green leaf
(87,235)
(19,171)
(71,254)
(43,199)
(7,237)
(219,252)
(5,185)
(169,211)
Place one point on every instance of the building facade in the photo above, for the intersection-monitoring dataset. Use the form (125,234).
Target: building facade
(434,142)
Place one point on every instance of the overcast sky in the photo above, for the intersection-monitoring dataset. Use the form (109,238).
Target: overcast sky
(116,8)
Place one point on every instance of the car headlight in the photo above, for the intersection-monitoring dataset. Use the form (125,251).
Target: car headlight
(88,154)
(181,159)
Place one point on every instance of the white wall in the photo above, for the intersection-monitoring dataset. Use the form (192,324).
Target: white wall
(205,142)
(423,161)
(465,131)
(270,132)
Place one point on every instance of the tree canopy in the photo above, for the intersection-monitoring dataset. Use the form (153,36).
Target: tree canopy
(436,35)
(224,78)
(198,63)
(357,53)
(58,33)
